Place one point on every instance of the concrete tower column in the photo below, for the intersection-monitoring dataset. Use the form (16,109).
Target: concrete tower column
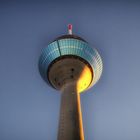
(70,122)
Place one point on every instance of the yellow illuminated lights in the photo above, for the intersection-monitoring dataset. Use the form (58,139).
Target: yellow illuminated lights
(84,79)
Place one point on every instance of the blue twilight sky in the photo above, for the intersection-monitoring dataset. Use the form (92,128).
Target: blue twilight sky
(29,108)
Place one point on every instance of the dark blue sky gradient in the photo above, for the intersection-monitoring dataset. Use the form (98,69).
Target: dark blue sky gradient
(29,108)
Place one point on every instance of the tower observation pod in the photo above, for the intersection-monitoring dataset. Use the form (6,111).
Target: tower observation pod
(71,66)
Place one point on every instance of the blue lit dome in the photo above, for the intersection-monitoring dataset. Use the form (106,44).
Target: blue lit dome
(70,45)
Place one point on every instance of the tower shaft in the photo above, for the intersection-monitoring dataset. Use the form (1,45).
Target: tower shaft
(70,123)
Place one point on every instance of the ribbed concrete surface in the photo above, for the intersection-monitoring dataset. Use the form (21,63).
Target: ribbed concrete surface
(70,123)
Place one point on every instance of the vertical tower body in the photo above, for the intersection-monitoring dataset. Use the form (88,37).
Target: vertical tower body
(68,64)
(70,123)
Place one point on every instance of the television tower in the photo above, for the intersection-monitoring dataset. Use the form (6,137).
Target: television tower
(70,65)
